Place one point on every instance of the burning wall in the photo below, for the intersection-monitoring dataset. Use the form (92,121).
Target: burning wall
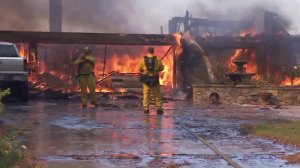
(57,71)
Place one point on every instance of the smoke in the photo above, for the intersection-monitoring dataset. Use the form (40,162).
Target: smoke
(135,16)
(24,15)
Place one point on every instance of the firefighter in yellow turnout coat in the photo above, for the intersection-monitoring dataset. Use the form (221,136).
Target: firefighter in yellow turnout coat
(86,64)
(150,66)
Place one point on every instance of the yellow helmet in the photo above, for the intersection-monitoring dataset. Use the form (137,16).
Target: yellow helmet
(87,49)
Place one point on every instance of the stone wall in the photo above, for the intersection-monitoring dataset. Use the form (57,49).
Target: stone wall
(244,94)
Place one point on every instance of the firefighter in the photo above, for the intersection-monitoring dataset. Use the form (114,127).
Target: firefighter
(150,66)
(85,72)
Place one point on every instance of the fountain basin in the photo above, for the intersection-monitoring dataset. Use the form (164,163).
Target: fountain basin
(238,77)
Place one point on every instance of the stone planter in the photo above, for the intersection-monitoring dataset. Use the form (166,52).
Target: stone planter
(244,94)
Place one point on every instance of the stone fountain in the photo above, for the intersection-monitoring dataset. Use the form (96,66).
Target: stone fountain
(240,72)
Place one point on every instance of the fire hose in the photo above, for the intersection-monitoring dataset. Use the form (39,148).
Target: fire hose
(209,145)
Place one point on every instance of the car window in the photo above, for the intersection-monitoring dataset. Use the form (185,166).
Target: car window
(8,51)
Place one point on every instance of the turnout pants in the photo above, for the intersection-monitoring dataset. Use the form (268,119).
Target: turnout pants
(87,81)
(155,90)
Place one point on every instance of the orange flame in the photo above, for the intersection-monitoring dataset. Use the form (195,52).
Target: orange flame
(250,31)
(251,66)
(130,64)
(23,52)
(236,54)
(178,46)
(125,63)
(104,90)
(287,81)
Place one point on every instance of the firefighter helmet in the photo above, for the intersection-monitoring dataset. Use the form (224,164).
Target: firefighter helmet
(87,49)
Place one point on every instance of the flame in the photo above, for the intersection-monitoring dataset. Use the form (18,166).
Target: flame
(23,52)
(122,90)
(257,77)
(125,63)
(61,76)
(249,31)
(41,86)
(178,46)
(130,64)
(103,90)
(287,81)
(251,66)
(236,54)
(42,67)
(167,74)
(122,64)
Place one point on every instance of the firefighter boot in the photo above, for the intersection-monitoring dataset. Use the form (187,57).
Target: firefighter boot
(160,111)
(146,111)
(94,103)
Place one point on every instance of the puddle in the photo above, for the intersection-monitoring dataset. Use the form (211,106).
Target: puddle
(249,151)
(78,123)
(76,138)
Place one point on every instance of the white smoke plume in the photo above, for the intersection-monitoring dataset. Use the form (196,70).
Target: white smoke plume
(135,16)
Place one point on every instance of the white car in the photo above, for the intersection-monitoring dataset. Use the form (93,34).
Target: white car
(13,71)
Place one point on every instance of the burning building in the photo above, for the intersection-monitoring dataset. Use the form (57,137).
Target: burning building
(118,56)
(262,42)
(191,52)
(258,56)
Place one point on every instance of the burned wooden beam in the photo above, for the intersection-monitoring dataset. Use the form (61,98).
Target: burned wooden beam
(85,38)
(223,42)
(248,42)
(194,24)
(208,22)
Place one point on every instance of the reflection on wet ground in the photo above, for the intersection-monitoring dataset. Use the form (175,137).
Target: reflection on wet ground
(65,135)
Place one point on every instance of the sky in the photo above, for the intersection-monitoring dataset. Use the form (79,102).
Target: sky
(136,16)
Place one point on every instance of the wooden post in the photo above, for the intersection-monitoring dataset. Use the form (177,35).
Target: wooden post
(104,61)
(33,59)
(161,30)
(186,21)
(55,14)
(175,85)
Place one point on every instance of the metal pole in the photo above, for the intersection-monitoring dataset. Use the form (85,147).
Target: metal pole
(104,61)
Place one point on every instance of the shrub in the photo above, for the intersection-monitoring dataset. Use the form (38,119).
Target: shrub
(2,95)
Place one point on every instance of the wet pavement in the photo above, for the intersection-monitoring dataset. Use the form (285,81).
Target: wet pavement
(118,134)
